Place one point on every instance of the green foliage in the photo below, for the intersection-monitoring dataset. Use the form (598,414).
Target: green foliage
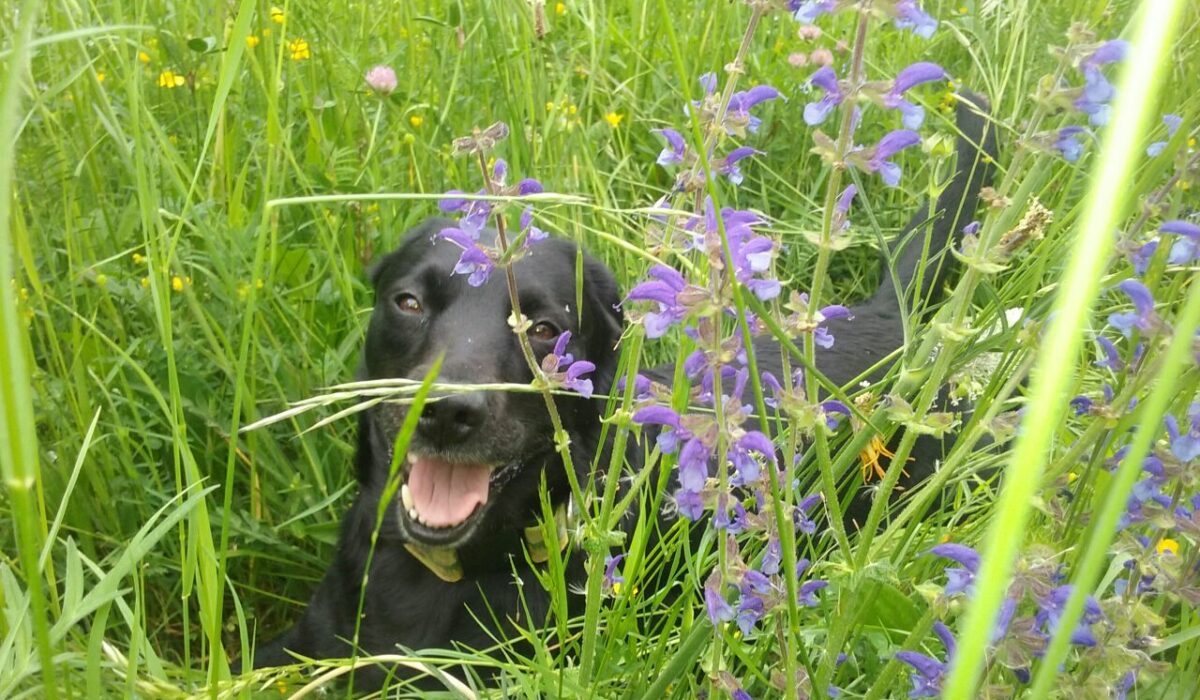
(176,275)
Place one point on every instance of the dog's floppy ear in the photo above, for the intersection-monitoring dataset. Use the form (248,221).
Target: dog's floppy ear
(603,320)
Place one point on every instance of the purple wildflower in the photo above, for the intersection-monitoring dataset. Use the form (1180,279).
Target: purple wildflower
(535,235)
(821,335)
(1068,144)
(747,468)
(574,378)
(1050,614)
(738,116)
(927,681)
(958,580)
(877,158)
(833,410)
(663,290)
(800,514)
(1143,318)
(718,608)
(675,149)
(772,556)
(806,596)
(1097,91)
(817,112)
(1186,248)
(728,167)
(1173,122)
(1141,256)
(611,575)
(473,213)
(808,11)
(474,261)
(912,76)
(1112,359)
(1186,445)
(909,15)
(672,432)
(843,203)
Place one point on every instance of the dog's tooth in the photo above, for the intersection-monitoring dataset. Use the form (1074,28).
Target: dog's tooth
(406,496)
(412,513)
(412,459)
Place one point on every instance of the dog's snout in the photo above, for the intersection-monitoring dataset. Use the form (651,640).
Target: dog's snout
(453,418)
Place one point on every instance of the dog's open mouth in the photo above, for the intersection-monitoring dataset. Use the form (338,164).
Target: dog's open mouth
(442,501)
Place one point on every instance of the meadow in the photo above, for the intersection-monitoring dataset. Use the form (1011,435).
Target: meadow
(190,194)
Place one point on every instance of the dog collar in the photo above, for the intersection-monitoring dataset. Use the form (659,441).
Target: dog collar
(445,564)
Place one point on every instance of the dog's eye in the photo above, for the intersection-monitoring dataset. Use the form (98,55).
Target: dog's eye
(543,331)
(408,304)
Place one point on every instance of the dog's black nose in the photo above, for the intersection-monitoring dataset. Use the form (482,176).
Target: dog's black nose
(453,418)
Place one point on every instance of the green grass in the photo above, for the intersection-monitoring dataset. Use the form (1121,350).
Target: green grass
(187,260)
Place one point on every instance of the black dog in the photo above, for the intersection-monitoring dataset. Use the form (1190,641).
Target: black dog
(451,540)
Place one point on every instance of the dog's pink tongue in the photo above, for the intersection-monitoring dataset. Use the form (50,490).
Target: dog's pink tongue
(446,493)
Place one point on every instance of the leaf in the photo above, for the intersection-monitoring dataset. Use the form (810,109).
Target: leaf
(201,44)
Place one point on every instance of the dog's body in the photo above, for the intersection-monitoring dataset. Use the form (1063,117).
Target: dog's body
(476,460)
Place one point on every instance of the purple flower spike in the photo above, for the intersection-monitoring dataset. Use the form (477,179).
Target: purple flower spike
(476,264)
(690,504)
(674,151)
(657,415)
(1143,318)
(806,596)
(728,166)
(693,465)
(817,112)
(808,12)
(845,198)
(927,679)
(1112,359)
(958,580)
(529,186)
(914,75)
(1173,122)
(1186,248)
(1068,144)
(740,104)
(1186,446)
(909,15)
(664,290)
(575,381)
(1109,52)
(708,81)
(718,608)
(1051,610)
(611,575)
(876,159)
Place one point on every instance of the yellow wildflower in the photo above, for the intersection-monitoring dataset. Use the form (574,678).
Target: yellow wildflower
(101,279)
(177,283)
(299,49)
(871,463)
(143,57)
(100,76)
(560,8)
(614,119)
(1167,546)
(416,120)
(145,282)
(139,259)
(572,109)
(170,79)
(276,15)
(251,40)
(550,106)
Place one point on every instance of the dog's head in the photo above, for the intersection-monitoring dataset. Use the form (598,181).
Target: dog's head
(475,462)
